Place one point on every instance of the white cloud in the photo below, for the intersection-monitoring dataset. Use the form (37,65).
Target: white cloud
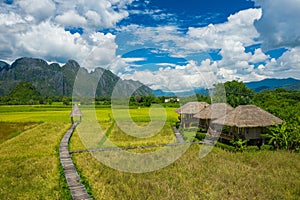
(288,65)
(279,25)
(36,28)
(102,13)
(167,64)
(179,78)
(230,38)
(239,28)
(39,9)
(53,43)
(258,56)
(93,17)
(129,60)
(71,18)
(11,19)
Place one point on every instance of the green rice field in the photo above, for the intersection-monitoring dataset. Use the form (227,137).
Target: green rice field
(30,169)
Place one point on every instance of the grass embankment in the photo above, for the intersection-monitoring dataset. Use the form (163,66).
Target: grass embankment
(29,164)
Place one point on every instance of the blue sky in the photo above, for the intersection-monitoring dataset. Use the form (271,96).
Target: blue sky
(171,45)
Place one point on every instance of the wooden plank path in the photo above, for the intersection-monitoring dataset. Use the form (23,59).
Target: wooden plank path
(178,135)
(77,189)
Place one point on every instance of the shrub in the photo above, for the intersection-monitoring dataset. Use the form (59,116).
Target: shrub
(266,147)
(178,124)
(191,129)
(200,136)
(252,148)
(225,146)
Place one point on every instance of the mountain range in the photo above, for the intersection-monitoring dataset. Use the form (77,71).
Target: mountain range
(257,86)
(272,83)
(55,80)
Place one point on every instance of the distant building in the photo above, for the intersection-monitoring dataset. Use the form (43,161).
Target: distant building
(168,100)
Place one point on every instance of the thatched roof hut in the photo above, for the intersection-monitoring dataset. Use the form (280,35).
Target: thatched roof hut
(75,111)
(248,116)
(214,111)
(191,108)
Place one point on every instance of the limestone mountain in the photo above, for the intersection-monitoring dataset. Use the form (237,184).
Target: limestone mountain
(55,80)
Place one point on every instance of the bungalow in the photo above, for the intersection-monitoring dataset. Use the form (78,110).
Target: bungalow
(247,122)
(212,112)
(187,112)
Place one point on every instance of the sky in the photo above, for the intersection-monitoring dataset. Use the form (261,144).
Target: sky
(172,45)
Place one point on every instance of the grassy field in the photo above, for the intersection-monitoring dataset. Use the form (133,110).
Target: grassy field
(30,165)
(220,175)
(60,113)
(9,130)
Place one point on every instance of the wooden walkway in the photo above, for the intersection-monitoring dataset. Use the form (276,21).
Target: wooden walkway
(77,189)
(178,135)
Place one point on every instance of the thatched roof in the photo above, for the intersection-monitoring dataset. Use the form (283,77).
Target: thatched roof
(214,111)
(248,116)
(191,108)
(75,111)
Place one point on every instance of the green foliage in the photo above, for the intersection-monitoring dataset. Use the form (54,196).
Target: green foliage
(266,147)
(23,93)
(200,136)
(281,103)
(240,144)
(66,101)
(283,137)
(203,98)
(252,148)
(225,146)
(284,104)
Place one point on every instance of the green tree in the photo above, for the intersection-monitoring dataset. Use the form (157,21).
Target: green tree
(24,93)
(66,100)
(233,92)
(237,93)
